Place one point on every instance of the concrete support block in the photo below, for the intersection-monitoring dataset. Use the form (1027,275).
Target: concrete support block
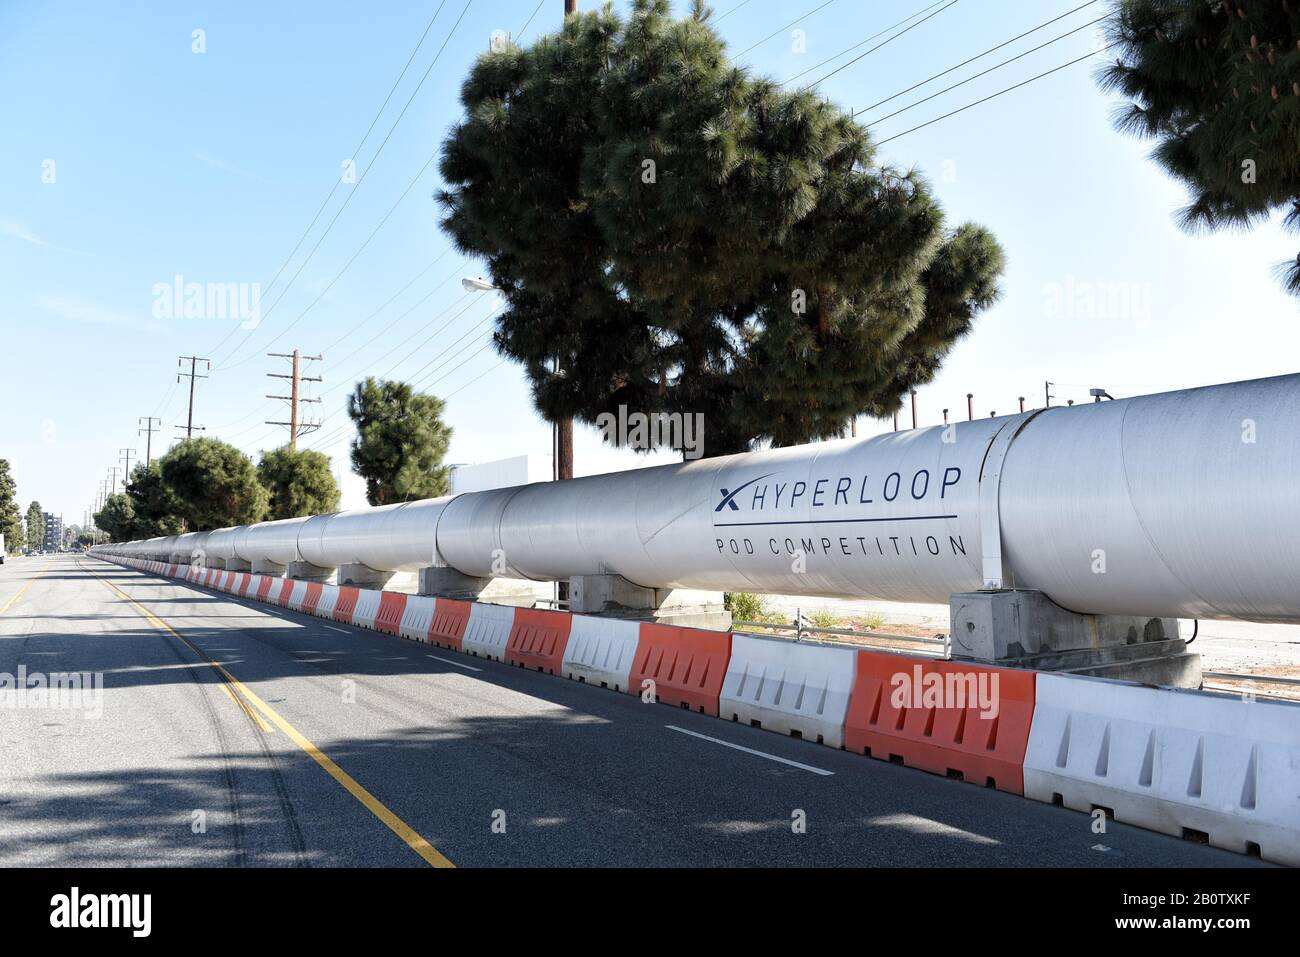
(236,565)
(449,583)
(363,576)
(306,571)
(1026,629)
(262,566)
(615,597)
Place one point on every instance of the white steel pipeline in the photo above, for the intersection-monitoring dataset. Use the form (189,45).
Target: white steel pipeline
(1180,504)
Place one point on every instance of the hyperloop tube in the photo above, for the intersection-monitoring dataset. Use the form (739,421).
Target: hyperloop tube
(1180,504)
(398,537)
(271,541)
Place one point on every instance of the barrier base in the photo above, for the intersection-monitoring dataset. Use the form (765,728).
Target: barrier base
(1026,629)
(363,576)
(613,596)
(449,583)
(306,571)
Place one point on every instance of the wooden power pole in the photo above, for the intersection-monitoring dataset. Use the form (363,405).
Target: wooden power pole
(148,429)
(191,375)
(294,398)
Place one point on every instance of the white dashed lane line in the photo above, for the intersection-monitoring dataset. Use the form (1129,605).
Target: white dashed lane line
(760,754)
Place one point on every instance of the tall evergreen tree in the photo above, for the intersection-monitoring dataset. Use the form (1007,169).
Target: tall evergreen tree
(153,503)
(298,481)
(117,518)
(214,484)
(11,519)
(36,525)
(685,237)
(1217,85)
(401,440)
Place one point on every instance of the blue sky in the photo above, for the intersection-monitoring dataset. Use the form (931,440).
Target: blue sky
(167,162)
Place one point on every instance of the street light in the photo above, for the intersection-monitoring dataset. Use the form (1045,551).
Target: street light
(477,284)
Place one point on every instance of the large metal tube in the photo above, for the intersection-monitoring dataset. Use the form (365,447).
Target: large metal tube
(397,537)
(1174,505)
(271,541)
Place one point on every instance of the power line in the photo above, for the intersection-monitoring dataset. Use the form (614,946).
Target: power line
(731,11)
(412,379)
(339,179)
(882,43)
(977,57)
(783,29)
(350,332)
(994,96)
(339,275)
(528,22)
(379,150)
(982,73)
(817,66)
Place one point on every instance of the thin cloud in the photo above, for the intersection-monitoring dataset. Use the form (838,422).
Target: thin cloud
(218,163)
(19,230)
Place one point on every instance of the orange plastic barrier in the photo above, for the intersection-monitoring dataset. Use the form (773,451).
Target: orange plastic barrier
(687,665)
(346,604)
(244,585)
(966,721)
(538,639)
(264,588)
(286,589)
(312,598)
(392,605)
(449,620)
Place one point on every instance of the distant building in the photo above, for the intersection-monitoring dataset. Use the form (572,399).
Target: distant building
(53,540)
(503,473)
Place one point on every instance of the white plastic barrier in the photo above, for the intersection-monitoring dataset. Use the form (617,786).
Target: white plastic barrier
(367,607)
(297,596)
(488,630)
(417,617)
(1171,761)
(790,687)
(601,650)
(329,595)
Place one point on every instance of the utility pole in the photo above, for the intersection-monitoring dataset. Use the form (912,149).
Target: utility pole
(1047,395)
(970,407)
(913,408)
(191,375)
(294,398)
(148,430)
(113,484)
(126,458)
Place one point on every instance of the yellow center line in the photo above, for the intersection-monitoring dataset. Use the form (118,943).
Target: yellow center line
(242,705)
(13,599)
(376,807)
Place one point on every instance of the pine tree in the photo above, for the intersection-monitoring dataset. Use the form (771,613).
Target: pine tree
(1217,86)
(298,481)
(214,485)
(400,444)
(685,237)
(11,520)
(36,525)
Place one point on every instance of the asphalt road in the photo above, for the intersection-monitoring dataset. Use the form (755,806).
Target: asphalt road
(377,751)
